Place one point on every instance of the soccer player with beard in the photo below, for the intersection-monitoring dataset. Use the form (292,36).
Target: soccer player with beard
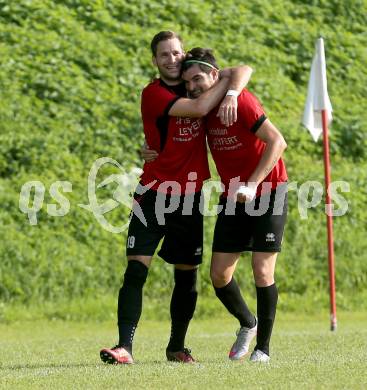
(247,155)
(173,126)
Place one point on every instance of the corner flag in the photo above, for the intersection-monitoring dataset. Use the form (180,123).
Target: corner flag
(317,95)
(317,116)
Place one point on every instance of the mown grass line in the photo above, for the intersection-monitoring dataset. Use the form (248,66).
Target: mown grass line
(305,354)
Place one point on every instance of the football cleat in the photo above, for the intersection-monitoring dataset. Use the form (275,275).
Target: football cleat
(259,356)
(183,356)
(241,346)
(116,355)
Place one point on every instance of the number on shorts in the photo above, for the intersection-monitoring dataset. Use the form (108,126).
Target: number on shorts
(131,241)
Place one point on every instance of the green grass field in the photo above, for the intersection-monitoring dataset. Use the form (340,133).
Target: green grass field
(65,355)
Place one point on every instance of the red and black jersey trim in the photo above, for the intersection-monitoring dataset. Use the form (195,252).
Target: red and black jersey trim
(258,123)
(163,121)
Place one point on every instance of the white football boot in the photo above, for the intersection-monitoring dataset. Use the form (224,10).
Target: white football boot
(241,345)
(259,356)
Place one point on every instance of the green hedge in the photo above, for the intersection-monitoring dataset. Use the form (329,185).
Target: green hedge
(70,81)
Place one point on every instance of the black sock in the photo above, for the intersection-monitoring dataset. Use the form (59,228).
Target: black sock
(230,296)
(183,303)
(267,298)
(130,302)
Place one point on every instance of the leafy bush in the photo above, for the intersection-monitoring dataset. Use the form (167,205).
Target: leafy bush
(71,76)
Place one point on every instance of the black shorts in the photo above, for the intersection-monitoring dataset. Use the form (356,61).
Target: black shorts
(182,234)
(257,226)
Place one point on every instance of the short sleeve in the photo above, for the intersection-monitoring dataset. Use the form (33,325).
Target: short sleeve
(250,111)
(156,101)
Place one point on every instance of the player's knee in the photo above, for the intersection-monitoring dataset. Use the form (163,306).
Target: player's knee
(186,279)
(218,278)
(136,273)
(263,276)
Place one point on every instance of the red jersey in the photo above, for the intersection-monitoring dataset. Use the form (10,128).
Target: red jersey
(236,150)
(179,141)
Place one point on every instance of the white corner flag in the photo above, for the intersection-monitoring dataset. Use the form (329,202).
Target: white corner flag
(317,95)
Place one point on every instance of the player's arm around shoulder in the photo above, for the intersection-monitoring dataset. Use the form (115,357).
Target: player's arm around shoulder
(201,106)
(239,77)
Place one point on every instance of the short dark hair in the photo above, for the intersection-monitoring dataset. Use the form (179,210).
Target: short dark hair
(199,54)
(163,36)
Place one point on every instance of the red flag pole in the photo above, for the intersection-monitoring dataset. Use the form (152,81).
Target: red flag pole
(333,323)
